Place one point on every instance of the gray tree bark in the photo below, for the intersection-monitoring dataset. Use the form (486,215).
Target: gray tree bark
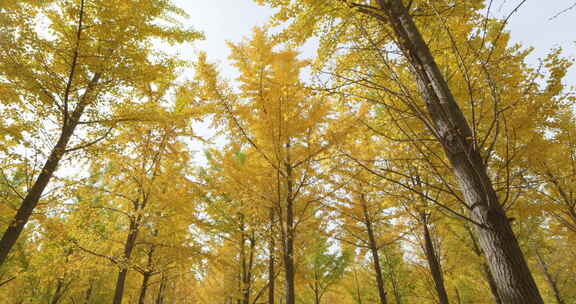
(506,261)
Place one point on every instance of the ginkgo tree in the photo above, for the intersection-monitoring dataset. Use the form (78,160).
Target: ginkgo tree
(288,128)
(134,180)
(68,85)
(416,158)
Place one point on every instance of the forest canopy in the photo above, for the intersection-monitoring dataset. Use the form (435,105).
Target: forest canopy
(420,156)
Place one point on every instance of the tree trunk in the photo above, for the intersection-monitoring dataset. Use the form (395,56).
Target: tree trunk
(122,274)
(458,297)
(513,279)
(58,293)
(485,268)
(434,263)
(120,281)
(393,279)
(397,294)
(89,292)
(144,287)
(146,275)
(289,239)
(271,271)
(160,296)
(243,266)
(247,271)
(549,278)
(358,293)
(374,252)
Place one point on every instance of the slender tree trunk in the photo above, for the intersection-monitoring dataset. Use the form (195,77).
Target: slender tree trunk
(396,290)
(89,292)
(247,279)
(160,296)
(434,263)
(315,286)
(374,252)
(513,278)
(123,273)
(358,293)
(458,297)
(271,271)
(58,293)
(69,124)
(550,278)
(243,266)
(146,275)
(289,239)
(144,287)
(485,268)
(397,294)
(393,279)
(120,281)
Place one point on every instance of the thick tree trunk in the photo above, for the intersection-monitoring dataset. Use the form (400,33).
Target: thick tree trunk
(271,271)
(374,252)
(491,283)
(434,263)
(485,268)
(550,279)
(513,279)
(123,273)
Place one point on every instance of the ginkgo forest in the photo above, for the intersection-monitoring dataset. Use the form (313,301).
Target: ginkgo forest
(418,156)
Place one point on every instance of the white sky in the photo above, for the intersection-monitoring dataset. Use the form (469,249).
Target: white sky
(221,21)
(231,20)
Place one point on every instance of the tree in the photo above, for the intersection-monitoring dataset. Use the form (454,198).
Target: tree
(73,78)
(324,268)
(554,168)
(281,125)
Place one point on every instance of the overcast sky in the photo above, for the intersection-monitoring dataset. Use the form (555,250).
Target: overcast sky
(231,20)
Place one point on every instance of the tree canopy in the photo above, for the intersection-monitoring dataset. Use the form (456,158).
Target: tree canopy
(418,157)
